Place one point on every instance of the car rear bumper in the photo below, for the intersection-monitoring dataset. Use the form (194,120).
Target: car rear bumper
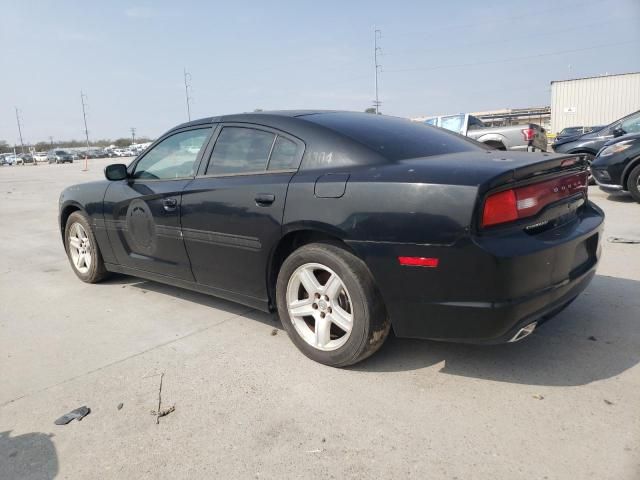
(485,289)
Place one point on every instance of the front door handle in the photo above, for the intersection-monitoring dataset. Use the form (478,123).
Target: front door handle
(170,204)
(265,199)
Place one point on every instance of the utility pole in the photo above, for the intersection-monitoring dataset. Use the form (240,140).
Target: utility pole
(133,135)
(187,87)
(19,129)
(51,141)
(377,34)
(83,97)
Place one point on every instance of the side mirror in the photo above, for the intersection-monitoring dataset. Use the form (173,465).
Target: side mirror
(618,132)
(115,171)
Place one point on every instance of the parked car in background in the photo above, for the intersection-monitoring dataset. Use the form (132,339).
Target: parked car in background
(40,156)
(346,224)
(617,165)
(59,156)
(3,159)
(25,159)
(528,137)
(571,132)
(11,159)
(590,143)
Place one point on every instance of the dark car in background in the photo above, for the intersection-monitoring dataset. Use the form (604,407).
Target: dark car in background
(590,144)
(571,132)
(59,156)
(617,165)
(348,224)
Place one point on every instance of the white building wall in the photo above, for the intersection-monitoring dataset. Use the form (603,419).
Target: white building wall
(593,101)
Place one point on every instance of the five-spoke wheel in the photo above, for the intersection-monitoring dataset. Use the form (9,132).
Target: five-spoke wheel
(330,305)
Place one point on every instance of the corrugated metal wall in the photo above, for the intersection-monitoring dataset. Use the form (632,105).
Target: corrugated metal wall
(593,101)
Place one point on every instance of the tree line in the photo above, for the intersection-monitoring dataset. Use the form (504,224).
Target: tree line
(46,146)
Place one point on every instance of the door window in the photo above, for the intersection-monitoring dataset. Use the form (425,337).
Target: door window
(174,157)
(240,150)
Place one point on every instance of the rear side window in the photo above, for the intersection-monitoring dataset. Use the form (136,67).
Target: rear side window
(286,155)
(240,150)
(395,138)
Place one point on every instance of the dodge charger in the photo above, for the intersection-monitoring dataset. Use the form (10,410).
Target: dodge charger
(346,224)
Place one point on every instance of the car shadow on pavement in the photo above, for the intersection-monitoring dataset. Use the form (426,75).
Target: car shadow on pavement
(595,338)
(192,296)
(621,197)
(30,455)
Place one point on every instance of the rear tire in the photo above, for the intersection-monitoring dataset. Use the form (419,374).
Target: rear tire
(330,306)
(633,183)
(82,249)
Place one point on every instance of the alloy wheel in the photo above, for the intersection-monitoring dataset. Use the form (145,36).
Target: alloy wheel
(80,248)
(320,306)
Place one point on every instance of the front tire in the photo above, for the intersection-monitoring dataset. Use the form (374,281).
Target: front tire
(82,249)
(330,306)
(633,183)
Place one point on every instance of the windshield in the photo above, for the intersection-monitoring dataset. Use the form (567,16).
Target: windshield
(571,131)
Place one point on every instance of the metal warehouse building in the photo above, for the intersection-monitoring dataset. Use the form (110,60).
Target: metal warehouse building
(593,100)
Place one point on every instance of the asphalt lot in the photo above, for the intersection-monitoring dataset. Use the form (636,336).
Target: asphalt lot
(564,403)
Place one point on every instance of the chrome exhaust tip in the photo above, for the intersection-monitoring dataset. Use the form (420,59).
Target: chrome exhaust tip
(524,332)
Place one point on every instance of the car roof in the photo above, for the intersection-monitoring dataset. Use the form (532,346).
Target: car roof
(254,116)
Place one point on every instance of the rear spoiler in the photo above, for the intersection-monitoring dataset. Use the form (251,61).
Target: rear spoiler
(547,167)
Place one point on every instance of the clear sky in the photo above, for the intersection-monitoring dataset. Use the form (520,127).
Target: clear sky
(438,57)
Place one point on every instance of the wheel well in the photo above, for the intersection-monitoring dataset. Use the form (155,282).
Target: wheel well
(287,244)
(64,216)
(625,175)
(495,144)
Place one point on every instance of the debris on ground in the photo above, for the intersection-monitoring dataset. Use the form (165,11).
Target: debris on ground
(608,402)
(164,412)
(161,412)
(537,396)
(317,450)
(274,332)
(623,240)
(120,405)
(78,413)
(592,338)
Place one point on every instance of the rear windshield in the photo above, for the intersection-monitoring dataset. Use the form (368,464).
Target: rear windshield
(395,138)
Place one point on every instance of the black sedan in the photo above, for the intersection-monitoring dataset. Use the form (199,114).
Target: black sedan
(347,224)
(617,166)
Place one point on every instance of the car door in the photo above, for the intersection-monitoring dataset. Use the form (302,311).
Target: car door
(232,211)
(142,213)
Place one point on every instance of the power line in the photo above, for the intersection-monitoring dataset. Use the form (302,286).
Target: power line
(512,59)
(187,87)
(377,34)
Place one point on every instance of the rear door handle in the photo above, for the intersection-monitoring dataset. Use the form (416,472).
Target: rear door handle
(265,199)
(170,204)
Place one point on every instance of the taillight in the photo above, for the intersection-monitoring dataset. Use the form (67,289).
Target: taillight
(523,202)
(528,134)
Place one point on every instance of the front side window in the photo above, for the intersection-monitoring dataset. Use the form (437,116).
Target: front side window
(453,123)
(173,157)
(240,150)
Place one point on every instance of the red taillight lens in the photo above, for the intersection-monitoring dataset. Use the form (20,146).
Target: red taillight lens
(500,208)
(527,201)
(528,134)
